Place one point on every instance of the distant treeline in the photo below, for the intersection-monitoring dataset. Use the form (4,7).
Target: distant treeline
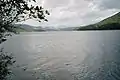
(110,23)
(110,26)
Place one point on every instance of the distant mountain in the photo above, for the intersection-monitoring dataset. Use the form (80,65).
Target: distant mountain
(28,28)
(68,29)
(40,28)
(50,28)
(24,27)
(110,23)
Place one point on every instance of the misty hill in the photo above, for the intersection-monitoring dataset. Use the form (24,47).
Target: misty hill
(40,28)
(29,28)
(68,29)
(50,28)
(24,27)
(110,23)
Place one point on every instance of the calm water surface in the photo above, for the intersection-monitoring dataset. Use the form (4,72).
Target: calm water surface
(89,55)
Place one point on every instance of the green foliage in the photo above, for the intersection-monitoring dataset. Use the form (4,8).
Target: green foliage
(113,19)
(18,29)
(12,11)
(5,61)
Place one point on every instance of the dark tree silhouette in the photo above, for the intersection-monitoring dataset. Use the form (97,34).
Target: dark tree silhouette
(5,61)
(12,11)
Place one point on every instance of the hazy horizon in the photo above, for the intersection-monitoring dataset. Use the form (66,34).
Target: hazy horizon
(75,13)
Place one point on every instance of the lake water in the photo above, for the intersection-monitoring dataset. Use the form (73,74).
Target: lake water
(85,55)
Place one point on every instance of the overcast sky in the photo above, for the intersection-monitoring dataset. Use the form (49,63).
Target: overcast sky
(76,12)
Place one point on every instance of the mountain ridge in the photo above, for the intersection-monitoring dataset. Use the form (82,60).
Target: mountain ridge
(110,23)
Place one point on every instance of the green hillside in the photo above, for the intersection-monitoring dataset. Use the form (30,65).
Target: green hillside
(18,29)
(111,23)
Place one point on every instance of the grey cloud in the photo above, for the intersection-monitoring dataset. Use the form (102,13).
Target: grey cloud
(79,12)
(55,3)
(111,4)
(107,4)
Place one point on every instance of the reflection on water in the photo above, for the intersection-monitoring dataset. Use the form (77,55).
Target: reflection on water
(66,55)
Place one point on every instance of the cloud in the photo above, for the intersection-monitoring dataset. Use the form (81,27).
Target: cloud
(55,3)
(77,12)
(107,4)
